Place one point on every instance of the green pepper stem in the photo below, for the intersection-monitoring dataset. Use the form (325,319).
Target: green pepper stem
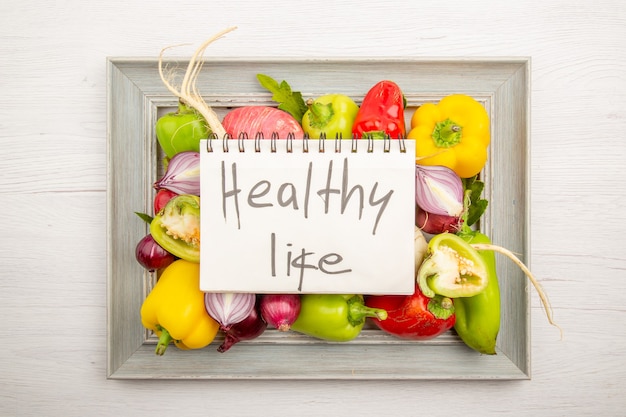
(358,312)
(375,134)
(183,108)
(164,341)
(446,134)
(320,114)
(441,307)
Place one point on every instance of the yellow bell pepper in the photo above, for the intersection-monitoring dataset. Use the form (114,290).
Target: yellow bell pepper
(453,133)
(175,310)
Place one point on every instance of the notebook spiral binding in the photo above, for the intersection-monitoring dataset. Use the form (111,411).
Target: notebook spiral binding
(243,139)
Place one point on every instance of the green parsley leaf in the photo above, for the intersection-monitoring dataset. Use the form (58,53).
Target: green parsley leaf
(145,217)
(288,100)
(477,205)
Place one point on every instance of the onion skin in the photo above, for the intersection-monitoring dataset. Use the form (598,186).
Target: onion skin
(438,190)
(151,255)
(250,120)
(436,223)
(280,310)
(229,308)
(249,328)
(182,175)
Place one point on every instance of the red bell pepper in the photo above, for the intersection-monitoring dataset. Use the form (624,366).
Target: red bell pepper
(414,317)
(161,199)
(381,113)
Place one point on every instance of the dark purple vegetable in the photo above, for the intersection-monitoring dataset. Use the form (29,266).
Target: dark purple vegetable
(152,256)
(280,310)
(436,223)
(249,328)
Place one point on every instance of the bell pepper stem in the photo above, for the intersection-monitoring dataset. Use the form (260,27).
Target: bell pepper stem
(375,134)
(358,312)
(441,307)
(182,107)
(320,114)
(446,134)
(164,340)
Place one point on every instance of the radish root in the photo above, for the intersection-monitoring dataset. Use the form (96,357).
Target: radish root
(188,90)
(542,295)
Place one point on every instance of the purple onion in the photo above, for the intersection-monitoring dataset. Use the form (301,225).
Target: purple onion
(182,175)
(438,190)
(249,328)
(280,310)
(229,308)
(151,255)
(436,223)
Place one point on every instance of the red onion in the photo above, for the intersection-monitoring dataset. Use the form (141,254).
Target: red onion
(151,255)
(280,310)
(182,175)
(438,190)
(229,308)
(247,329)
(436,223)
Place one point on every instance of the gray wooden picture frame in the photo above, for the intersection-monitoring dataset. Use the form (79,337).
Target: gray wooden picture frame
(136,98)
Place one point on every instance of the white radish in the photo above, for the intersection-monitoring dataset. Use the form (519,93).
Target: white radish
(542,295)
(188,90)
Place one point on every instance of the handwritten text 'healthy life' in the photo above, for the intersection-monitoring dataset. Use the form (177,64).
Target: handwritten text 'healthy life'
(264,195)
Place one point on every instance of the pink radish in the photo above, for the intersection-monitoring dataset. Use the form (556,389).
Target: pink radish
(250,120)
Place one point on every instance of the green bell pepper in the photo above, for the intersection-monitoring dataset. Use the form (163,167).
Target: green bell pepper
(331,115)
(452,268)
(176,228)
(334,317)
(181,131)
(478,317)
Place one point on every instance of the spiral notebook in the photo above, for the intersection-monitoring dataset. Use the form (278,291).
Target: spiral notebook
(307,216)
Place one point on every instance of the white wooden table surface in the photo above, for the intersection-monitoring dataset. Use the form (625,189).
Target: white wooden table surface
(53,196)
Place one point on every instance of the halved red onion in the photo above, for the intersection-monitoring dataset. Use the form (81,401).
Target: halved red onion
(229,308)
(438,190)
(182,175)
(249,328)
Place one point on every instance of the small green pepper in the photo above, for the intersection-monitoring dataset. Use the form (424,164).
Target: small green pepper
(478,317)
(334,317)
(181,131)
(452,268)
(176,228)
(331,115)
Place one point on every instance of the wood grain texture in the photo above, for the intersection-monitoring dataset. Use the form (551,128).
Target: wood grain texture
(53,279)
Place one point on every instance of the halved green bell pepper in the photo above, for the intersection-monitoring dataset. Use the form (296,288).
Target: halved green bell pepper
(452,268)
(176,228)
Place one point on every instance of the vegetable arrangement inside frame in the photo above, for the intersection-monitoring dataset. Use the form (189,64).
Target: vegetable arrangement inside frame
(456,284)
